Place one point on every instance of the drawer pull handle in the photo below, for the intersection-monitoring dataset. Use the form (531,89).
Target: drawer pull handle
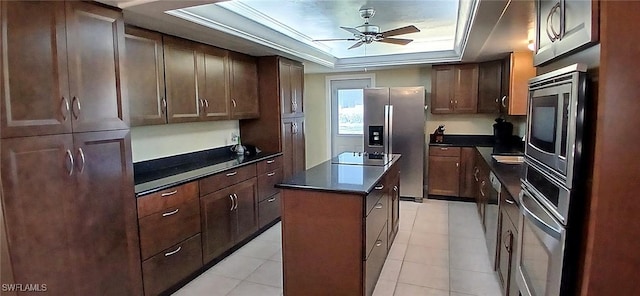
(232,174)
(271,174)
(173,252)
(378,206)
(509,201)
(444,148)
(379,187)
(169,193)
(271,199)
(170,213)
(378,243)
(271,161)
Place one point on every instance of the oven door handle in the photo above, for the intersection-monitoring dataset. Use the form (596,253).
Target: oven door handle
(541,224)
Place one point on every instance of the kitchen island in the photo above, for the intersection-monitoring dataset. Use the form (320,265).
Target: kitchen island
(338,223)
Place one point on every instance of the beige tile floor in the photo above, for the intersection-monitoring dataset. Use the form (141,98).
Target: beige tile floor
(439,250)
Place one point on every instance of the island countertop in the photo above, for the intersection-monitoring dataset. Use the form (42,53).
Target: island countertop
(346,178)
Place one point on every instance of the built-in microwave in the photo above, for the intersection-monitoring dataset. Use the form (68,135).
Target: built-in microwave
(555,121)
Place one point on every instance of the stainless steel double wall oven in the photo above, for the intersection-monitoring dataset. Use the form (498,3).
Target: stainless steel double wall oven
(551,189)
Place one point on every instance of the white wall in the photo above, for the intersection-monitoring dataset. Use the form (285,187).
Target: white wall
(155,141)
(317,119)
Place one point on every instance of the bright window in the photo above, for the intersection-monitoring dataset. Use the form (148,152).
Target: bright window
(350,111)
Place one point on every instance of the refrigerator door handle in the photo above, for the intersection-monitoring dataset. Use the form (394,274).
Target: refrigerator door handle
(388,128)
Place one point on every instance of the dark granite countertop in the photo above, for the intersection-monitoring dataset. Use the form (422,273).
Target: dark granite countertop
(508,174)
(513,146)
(155,175)
(341,178)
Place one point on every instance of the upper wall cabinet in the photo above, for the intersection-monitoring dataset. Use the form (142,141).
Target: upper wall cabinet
(490,86)
(145,70)
(181,74)
(564,26)
(454,89)
(62,68)
(213,83)
(291,88)
(244,86)
(503,84)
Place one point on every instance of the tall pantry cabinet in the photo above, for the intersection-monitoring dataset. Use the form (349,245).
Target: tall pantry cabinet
(67,187)
(281,123)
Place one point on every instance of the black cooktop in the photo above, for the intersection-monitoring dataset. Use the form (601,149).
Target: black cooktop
(362,158)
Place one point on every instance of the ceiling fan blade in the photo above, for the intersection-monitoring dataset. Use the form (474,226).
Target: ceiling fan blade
(336,39)
(359,43)
(353,31)
(398,41)
(400,31)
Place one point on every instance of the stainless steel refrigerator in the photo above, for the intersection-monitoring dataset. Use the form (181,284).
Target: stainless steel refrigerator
(394,123)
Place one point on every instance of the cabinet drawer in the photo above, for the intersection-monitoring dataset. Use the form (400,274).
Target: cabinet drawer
(164,229)
(374,222)
(444,151)
(511,209)
(266,184)
(268,210)
(226,178)
(165,199)
(269,165)
(164,270)
(373,197)
(373,264)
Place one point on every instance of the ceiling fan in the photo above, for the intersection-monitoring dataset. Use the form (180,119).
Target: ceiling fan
(368,33)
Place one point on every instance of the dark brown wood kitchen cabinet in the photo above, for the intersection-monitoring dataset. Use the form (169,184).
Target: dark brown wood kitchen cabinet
(66,75)
(269,174)
(228,217)
(244,86)
(145,72)
(490,86)
(467,163)
(86,226)
(454,89)
(507,247)
(293,146)
(213,83)
(563,27)
(181,80)
(444,171)
(291,88)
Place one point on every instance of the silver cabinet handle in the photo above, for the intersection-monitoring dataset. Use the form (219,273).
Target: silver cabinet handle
(235,196)
(170,213)
(271,174)
(497,100)
(271,199)
(201,104)
(378,206)
(271,161)
(481,187)
(173,252)
(475,173)
(395,188)
(233,204)
(71,162)
(65,104)
(164,105)
(380,187)
(378,243)
(457,164)
(232,174)
(81,153)
(509,201)
(169,193)
(75,102)
(444,148)
(233,101)
(206,103)
(504,101)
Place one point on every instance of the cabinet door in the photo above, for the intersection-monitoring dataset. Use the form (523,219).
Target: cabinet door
(442,89)
(244,87)
(489,86)
(34,84)
(298,146)
(444,175)
(286,101)
(216,213)
(467,163)
(38,193)
(213,85)
(95,38)
(246,202)
(288,142)
(505,252)
(105,242)
(466,88)
(180,70)
(297,89)
(145,77)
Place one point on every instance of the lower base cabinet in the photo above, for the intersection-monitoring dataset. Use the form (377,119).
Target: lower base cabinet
(172,265)
(375,261)
(268,210)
